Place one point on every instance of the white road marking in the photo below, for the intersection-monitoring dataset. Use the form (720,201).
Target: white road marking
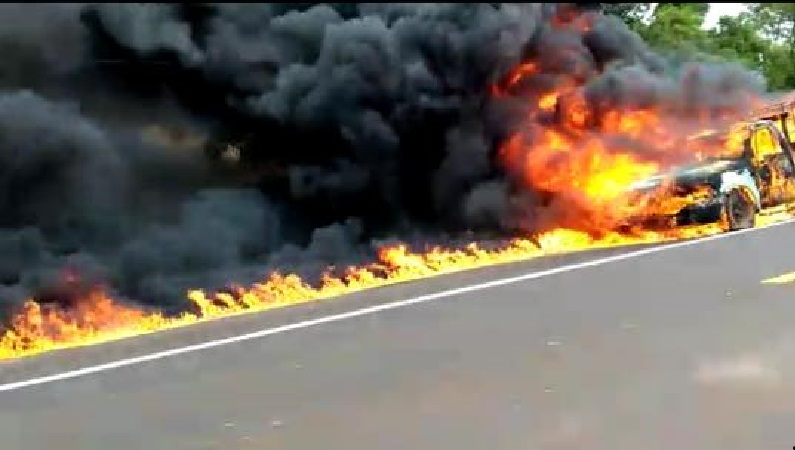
(364,311)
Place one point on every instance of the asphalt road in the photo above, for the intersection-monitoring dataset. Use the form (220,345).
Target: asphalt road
(677,349)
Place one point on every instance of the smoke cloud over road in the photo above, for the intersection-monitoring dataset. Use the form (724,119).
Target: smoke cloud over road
(158,147)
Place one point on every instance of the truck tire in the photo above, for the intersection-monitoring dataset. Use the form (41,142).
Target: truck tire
(739,211)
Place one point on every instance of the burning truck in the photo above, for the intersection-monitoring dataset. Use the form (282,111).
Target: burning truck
(756,171)
(330,128)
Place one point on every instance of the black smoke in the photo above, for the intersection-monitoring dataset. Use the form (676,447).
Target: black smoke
(156,147)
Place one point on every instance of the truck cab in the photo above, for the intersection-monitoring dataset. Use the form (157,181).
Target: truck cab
(774,148)
(755,171)
(772,159)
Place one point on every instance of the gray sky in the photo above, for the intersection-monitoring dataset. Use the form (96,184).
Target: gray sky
(716,10)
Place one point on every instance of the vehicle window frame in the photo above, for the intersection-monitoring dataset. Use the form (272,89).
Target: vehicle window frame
(774,139)
(786,149)
(746,151)
(763,164)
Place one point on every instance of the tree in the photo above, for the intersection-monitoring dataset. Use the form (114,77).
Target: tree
(677,27)
(776,22)
(736,38)
(778,69)
(761,39)
(631,13)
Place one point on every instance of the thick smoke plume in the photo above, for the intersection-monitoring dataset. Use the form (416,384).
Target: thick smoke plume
(156,147)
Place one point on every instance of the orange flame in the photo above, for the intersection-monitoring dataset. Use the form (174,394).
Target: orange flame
(586,156)
(587,159)
(96,318)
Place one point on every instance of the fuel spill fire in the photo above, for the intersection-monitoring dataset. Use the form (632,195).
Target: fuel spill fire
(583,158)
(95,317)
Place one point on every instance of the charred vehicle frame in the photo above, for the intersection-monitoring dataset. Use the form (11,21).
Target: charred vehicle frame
(729,190)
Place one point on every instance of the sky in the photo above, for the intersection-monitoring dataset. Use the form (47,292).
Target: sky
(716,10)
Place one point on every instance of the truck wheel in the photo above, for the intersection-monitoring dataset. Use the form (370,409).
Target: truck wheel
(739,211)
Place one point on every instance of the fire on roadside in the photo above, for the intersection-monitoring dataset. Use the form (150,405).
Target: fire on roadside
(585,158)
(96,317)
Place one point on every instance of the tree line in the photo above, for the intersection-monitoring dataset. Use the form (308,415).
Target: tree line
(762,38)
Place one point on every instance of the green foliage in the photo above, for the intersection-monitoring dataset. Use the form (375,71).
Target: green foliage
(631,13)
(676,26)
(762,39)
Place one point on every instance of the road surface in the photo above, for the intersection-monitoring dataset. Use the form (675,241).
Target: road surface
(681,348)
